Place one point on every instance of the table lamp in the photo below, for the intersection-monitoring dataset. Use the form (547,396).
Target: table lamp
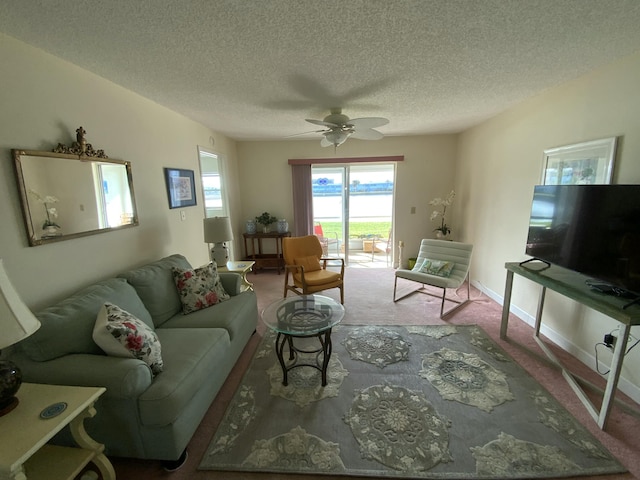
(16,323)
(217,230)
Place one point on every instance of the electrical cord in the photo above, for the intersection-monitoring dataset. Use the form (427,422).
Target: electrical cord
(597,362)
(608,347)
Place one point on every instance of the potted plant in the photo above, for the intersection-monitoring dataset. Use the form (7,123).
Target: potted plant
(443,230)
(50,227)
(266,219)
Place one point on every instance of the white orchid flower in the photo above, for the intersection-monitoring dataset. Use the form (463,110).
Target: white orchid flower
(444,203)
(45,199)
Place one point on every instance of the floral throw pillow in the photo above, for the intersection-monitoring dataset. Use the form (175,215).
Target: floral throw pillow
(199,288)
(441,268)
(121,334)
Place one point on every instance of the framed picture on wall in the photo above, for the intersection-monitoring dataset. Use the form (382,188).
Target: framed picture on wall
(587,163)
(181,188)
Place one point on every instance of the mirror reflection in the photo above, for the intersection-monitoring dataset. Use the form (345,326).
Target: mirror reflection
(66,196)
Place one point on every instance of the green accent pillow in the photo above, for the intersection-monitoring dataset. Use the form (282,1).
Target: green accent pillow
(440,268)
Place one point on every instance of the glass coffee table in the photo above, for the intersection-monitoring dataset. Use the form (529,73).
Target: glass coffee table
(303,316)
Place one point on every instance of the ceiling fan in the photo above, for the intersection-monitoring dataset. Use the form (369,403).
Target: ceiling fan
(339,127)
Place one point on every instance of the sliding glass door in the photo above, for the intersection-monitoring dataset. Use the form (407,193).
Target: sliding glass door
(353,210)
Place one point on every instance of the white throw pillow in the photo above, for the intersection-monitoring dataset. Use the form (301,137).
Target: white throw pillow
(121,334)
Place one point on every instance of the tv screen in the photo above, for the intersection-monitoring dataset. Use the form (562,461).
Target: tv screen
(592,229)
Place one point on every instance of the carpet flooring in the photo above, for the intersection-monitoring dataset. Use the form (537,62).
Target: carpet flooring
(428,401)
(368,300)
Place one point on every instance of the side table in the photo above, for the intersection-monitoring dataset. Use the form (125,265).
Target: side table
(242,268)
(24,452)
(303,316)
(259,255)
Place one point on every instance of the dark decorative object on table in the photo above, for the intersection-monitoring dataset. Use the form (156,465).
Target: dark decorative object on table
(16,323)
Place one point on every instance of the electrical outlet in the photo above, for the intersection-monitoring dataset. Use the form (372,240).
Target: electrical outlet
(609,340)
(183,215)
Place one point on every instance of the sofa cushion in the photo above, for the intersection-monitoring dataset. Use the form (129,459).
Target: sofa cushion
(190,359)
(155,286)
(199,288)
(121,334)
(231,315)
(67,326)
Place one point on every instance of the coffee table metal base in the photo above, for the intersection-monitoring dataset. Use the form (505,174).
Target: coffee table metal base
(322,357)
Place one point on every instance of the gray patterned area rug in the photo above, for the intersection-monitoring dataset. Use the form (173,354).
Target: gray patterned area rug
(403,402)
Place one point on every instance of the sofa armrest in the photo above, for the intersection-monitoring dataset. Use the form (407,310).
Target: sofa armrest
(232,282)
(122,377)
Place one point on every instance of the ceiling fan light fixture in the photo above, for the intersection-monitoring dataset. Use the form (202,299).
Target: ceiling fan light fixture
(336,138)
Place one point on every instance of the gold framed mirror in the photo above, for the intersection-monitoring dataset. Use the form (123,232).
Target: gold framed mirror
(67,196)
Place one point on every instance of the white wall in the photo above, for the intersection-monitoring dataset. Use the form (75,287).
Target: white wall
(428,171)
(499,163)
(44,100)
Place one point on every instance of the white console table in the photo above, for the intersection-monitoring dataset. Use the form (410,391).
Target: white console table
(572,285)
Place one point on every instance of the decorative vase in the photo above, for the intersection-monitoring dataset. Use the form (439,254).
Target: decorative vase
(251,227)
(51,231)
(283,226)
(265,229)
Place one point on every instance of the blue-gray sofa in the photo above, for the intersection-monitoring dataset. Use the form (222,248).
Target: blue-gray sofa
(140,415)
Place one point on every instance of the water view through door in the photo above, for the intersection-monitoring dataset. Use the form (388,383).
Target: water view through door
(353,211)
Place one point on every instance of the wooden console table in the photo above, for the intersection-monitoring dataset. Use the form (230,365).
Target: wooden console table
(261,259)
(572,285)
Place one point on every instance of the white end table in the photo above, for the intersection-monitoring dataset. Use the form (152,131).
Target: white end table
(24,452)
(242,268)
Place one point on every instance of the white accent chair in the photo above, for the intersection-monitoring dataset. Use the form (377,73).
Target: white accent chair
(443,250)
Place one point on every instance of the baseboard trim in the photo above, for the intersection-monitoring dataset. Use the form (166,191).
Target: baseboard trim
(624,385)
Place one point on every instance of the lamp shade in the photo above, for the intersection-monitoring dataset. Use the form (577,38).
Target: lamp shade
(16,320)
(217,230)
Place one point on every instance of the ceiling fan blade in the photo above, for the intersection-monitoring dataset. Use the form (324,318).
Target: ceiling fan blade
(367,134)
(320,122)
(305,133)
(368,122)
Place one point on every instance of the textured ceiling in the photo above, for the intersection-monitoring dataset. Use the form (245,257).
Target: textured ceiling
(256,69)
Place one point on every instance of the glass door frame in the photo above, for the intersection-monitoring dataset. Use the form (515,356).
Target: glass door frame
(347,172)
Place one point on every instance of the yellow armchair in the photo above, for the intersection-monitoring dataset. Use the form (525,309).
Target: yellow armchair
(307,271)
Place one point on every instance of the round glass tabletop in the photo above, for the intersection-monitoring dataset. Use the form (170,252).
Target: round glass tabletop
(303,315)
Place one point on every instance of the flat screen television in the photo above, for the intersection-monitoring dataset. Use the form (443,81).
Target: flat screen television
(591,229)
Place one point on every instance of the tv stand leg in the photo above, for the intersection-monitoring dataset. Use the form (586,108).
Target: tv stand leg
(539,311)
(614,375)
(506,305)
